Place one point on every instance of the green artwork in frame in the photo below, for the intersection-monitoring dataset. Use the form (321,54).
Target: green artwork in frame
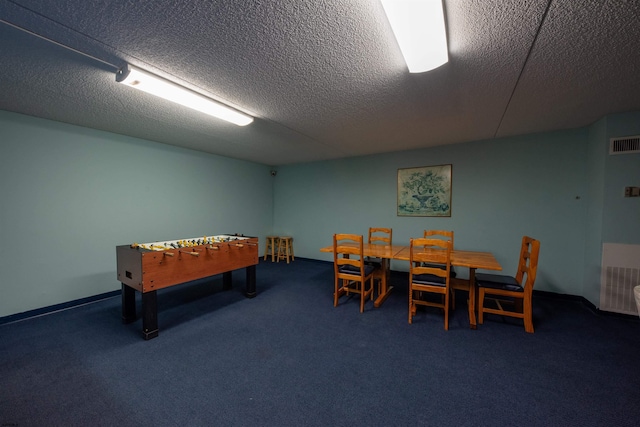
(424,191)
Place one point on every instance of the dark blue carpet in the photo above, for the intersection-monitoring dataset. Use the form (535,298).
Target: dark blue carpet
(289,358)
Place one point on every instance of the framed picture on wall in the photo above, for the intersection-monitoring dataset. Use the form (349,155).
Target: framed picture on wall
(424,191)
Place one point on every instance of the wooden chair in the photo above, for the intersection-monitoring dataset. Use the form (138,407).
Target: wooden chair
(380,236)
(503,289)
(429,272)
(448,235)
(440,234)
(351,273)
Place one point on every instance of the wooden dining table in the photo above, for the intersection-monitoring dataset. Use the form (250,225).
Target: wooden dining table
(472,260)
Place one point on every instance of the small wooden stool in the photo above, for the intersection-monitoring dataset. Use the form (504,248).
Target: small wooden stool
(285,248)
(271,247)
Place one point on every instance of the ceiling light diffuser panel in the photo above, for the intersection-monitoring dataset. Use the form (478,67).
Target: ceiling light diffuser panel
(150,83)
(419,28)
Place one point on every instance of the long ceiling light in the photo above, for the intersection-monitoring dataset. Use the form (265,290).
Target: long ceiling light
(147,82)
(419,29)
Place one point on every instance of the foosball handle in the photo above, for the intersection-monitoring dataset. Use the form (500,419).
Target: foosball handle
(192,253)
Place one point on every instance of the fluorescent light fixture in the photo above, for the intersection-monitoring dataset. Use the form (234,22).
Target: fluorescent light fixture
(147,82)
(419,29)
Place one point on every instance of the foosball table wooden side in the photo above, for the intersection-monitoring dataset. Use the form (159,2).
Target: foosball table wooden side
(147,271)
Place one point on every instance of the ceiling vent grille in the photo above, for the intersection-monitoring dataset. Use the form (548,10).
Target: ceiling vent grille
(624,145)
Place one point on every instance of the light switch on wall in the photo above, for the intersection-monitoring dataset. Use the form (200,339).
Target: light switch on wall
(632,192)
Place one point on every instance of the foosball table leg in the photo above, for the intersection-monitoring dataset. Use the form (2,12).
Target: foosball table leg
(250,289)
(128,304)
(227,280)
(149,315)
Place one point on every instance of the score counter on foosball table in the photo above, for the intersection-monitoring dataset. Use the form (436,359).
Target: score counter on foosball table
(148,267)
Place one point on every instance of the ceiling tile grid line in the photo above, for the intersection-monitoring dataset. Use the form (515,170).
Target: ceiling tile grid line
(325,79)
(524,65)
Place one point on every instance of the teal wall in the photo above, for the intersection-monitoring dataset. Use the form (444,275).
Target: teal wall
(502,189)
(612,218)
(71,194)
(596,157)
(561,187)
(621,215)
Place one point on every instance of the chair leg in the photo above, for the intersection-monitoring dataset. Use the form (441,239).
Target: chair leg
(266,250)
(293,257)
(446,311)
(364,292)
(528,316)
(287,250)
(269,248)
(481,306)
(372,288)
(412,307)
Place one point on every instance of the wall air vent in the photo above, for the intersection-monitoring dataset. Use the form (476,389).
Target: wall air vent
(624,145)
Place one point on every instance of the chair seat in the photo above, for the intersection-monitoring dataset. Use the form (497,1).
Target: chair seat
(498,281)
(350,269)
(429,279)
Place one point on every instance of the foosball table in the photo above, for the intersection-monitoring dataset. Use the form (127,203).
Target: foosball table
(148,267)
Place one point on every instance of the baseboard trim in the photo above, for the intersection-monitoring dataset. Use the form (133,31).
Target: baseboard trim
(585,302)
(88,300)
(57,307)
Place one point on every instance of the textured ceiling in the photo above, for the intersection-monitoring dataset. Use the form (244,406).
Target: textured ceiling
(325,78)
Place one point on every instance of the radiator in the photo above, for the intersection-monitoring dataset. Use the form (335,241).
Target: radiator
(620,274)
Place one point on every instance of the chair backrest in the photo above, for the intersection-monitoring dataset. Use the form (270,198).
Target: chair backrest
(430,256)
(528,264)
(380,236)
(348,250)
(447,235)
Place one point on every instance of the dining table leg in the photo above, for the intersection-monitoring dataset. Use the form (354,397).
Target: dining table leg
(385,288)
(472,298)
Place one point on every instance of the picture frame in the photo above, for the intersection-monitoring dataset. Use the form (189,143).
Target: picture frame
(424,191)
